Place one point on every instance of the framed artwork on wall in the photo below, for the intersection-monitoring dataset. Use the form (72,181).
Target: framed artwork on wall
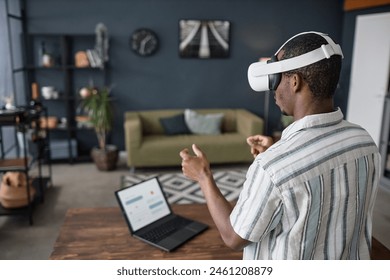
(204,38)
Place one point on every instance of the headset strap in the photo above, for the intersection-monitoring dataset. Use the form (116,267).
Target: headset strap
(325,51)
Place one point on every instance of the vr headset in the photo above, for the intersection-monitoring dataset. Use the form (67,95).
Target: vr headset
(266,75)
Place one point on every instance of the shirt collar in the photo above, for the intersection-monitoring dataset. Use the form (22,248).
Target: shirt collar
(311,121)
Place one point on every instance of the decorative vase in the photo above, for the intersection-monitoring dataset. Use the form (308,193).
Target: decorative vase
(84,92)
(105,159)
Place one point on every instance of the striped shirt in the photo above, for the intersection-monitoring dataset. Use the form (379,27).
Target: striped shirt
(311,194)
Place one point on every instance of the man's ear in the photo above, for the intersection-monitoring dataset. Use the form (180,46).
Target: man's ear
(296,82)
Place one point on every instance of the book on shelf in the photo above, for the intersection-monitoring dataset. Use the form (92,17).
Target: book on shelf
(94,58)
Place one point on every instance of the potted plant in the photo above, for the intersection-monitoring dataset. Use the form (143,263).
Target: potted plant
(98,107)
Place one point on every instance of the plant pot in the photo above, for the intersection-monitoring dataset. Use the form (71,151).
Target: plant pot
(105,159)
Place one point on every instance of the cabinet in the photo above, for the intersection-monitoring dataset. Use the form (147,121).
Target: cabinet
(57,71)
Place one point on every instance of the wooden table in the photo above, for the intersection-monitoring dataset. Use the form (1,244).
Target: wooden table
(102,234)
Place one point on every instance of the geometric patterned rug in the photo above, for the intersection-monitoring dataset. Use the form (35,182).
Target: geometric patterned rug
(181,190)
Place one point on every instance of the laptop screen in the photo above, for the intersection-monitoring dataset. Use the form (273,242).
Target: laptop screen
(143,203)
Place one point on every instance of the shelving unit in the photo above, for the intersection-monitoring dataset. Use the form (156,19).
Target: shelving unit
(32,149)
(67,79)
(26,121)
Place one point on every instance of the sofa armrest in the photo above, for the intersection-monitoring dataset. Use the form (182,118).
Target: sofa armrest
(248,123)
(133,131)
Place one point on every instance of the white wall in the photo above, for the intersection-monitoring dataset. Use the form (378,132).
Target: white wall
(370,72)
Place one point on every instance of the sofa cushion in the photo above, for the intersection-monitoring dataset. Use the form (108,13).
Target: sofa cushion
(175,125)
(160,150)
(203,123)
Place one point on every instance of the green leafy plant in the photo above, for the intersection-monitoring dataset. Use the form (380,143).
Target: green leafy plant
(99,109)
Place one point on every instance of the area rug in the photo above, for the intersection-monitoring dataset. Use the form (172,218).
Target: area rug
(181,190)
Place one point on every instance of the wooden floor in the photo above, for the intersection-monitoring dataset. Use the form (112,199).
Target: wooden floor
(379,251)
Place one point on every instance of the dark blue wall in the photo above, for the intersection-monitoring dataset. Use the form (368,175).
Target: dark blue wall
(164,80)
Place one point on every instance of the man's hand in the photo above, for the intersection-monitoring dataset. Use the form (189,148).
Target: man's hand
(259,143)
(195,167)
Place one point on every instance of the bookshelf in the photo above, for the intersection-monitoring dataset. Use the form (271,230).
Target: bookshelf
(69,64)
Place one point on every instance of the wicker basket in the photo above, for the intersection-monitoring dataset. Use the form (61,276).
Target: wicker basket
(13,192)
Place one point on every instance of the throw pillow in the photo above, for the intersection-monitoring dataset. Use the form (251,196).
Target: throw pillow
(175,125)
(203,123)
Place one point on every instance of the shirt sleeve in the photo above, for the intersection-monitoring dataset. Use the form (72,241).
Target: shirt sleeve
(259,208)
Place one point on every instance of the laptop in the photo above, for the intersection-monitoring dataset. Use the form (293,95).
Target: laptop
(150,218)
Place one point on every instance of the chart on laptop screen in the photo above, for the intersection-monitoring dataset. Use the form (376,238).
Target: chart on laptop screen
(144,204)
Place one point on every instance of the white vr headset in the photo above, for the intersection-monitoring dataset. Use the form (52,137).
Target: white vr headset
(266,75)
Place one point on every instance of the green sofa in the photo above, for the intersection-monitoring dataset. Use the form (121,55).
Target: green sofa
(147,145)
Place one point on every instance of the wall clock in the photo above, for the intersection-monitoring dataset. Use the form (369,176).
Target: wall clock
(144,42)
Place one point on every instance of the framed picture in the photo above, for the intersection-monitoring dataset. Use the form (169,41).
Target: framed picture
(204,38)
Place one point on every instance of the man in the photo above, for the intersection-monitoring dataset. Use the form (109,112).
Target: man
(311,194)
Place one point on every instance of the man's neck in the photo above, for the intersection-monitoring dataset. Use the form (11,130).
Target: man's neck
(313,108)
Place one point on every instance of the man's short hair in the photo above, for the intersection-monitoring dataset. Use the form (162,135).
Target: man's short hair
(322,76)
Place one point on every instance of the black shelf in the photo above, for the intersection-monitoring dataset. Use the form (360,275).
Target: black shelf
(23,120)
(67,78)
(55,67)
(15,164)
(26,120)
(63,67)
(22,211)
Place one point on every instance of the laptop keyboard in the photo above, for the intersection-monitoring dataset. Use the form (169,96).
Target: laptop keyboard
(159,233)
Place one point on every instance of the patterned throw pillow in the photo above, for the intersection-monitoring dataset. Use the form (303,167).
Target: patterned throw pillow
(203,123)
